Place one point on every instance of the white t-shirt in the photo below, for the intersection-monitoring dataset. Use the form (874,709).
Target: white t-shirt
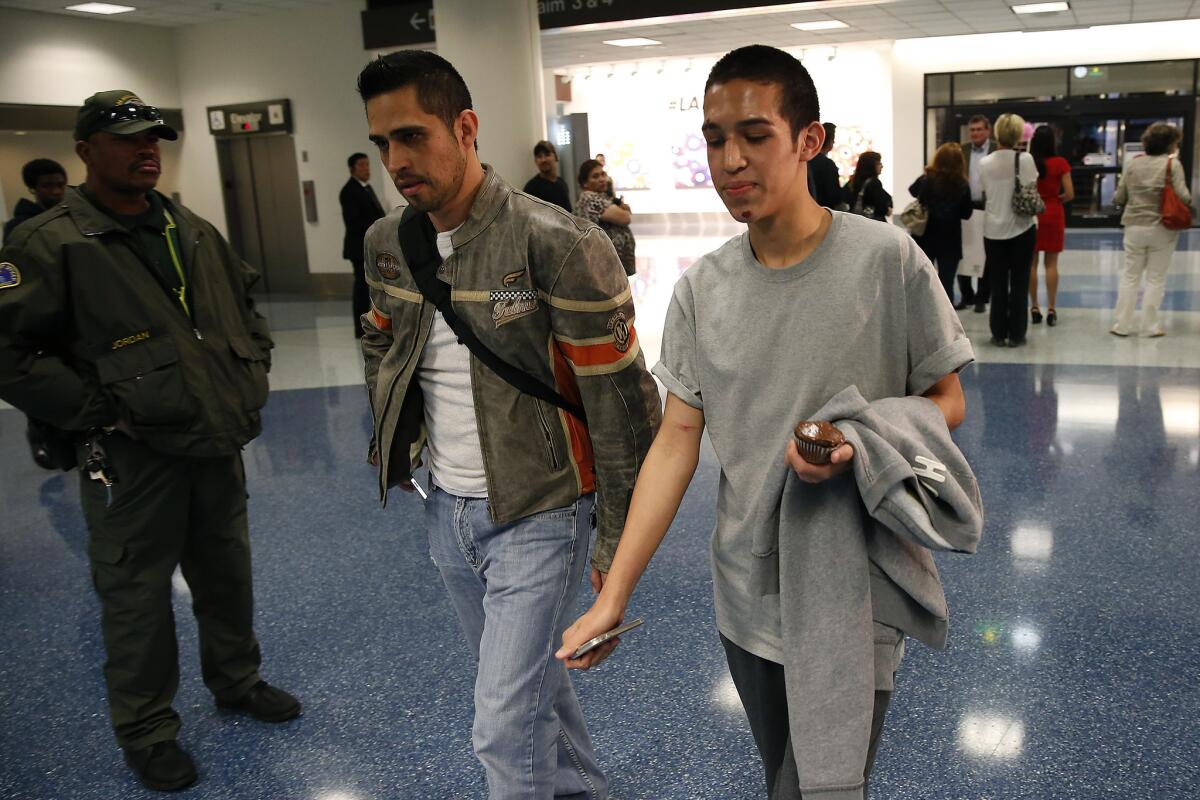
(996,172)
(444,375)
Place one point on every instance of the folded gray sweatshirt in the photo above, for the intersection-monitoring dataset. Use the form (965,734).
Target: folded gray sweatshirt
(911,491)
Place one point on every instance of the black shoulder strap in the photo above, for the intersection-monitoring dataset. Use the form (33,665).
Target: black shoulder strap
(418,243)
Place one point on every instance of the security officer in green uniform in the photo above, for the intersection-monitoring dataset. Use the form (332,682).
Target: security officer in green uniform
(125,319)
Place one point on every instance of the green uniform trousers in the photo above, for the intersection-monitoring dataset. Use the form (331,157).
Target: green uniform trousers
(167,511)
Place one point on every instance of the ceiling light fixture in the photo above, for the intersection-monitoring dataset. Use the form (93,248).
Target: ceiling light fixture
(100,8)
(820,25)
(637,41)
(1041,8)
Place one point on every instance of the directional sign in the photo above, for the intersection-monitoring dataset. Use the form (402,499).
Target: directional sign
(389,23)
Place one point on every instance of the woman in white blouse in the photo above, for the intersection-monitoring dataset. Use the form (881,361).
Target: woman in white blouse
(1008,237)
(1148,244)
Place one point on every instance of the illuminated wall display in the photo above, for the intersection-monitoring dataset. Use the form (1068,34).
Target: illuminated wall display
(645,117)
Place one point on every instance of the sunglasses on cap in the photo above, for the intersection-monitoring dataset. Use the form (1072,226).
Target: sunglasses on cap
(131,111)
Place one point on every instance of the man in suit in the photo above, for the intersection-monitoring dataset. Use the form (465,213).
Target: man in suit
(360,208)
(979,144)
(827,189)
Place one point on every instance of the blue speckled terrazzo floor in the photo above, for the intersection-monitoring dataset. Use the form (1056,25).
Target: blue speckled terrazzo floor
(1071,671)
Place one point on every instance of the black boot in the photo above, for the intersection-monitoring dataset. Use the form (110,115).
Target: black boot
(163,766)
(266,703)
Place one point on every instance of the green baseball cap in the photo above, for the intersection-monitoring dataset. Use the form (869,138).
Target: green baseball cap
(122,113)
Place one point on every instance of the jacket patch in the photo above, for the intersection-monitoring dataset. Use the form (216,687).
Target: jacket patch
(618,326)
(140,336)
(388,266)
(512,277)
(512,304)
(10,276)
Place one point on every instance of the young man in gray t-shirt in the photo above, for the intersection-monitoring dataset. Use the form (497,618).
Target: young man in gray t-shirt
(759,335)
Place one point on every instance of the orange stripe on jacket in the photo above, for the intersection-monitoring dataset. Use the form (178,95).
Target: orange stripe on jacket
(597,355)
(582,456)
(380,321)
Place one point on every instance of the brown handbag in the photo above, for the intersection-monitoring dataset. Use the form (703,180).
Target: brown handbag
(1176,216)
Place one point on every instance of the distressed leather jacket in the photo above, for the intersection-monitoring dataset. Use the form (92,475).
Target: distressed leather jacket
(545,292)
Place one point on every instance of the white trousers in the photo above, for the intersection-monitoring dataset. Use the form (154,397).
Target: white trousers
(1148,250)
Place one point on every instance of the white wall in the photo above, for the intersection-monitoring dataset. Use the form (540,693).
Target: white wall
(648,124)
(59,146)
(913,58)
(311,57)
(58,60)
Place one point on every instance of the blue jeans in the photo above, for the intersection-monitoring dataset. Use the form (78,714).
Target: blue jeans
(513,587)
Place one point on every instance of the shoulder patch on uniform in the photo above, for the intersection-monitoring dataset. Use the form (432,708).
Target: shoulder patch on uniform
(10,276)
(388,266)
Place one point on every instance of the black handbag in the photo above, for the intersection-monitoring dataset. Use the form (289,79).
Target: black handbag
(418,243)
(1026,202)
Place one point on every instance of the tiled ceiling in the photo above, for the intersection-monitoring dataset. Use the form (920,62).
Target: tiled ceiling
(867,19)
(885,19)
(172,13)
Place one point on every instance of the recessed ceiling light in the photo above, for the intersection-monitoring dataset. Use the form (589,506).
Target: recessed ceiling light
(1041,8)
(637,41)
(101,8)
(820,25)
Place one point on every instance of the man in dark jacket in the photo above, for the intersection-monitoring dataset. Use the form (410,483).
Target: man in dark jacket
(548,185)
(46,181)
(125,319)
(360,209)
(826,186)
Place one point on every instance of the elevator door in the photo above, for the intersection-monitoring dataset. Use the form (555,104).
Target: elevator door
(261,187)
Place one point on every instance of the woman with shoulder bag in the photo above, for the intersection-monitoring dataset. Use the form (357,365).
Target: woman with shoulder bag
(1055,186)
(1011,206)
(1148,183)
(945,194)
(863,194)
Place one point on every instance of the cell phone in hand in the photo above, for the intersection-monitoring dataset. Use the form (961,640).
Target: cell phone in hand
(592,644)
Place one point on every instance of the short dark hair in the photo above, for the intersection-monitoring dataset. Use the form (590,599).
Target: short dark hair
(798,102)
(34,170)
(354,159)
(441,91)
(586,168)
(544,148)
(1159,137)
(979,118)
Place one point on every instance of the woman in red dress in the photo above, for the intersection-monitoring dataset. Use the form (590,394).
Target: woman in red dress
(1055,187)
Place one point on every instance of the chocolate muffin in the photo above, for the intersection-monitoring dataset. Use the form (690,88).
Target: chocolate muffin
(817,440)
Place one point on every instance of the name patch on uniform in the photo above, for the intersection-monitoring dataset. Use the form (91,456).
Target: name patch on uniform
(388,266)
(140,336)
(10,276)
(512,305)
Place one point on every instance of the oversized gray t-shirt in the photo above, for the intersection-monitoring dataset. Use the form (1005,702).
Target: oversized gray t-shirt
(759,349)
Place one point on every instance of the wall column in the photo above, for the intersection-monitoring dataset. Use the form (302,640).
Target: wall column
(496,47)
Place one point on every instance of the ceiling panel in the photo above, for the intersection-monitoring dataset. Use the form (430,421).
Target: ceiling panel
(883,19)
